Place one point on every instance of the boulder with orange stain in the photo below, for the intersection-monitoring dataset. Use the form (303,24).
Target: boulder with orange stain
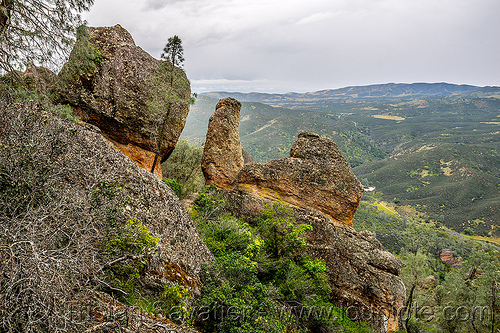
(116,95)
(316,176)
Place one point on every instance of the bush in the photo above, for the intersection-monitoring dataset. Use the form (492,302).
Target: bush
(261,280)
(175,186)
(184,166)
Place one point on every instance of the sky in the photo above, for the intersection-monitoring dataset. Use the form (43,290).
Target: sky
(280,46)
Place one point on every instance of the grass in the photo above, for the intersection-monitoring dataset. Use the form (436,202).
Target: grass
(383,206)
(388,117)
(494,240)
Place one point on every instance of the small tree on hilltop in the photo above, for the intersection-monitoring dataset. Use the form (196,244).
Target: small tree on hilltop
(169,90)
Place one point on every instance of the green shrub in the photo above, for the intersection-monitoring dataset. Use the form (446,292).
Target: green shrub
(127,251)
(261,280)
(283,238)
(174,302)
(209,204)
(184,166)
(175,186)
(63,111)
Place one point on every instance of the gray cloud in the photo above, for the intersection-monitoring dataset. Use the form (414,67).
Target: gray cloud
(298,45)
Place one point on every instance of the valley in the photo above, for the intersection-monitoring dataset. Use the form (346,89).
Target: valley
(429,148)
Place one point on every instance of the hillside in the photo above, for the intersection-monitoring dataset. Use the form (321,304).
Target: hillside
(454,183)
(433,147)
(358,94)
(268,132)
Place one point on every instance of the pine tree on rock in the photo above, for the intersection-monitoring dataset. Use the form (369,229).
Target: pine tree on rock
(169,87)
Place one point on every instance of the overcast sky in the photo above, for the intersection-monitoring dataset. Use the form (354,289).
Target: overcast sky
(308,45)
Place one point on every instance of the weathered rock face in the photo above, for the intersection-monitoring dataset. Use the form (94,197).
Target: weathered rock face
(94,185)
(39,77)
(222,155)
(114,96)
(247,158)
(448,257)
(323,191)
(316,175)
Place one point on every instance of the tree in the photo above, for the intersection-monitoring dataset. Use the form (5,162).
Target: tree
(169,90)
(468,296)
(414,273)
(37,31)
(184,166)
(173,51)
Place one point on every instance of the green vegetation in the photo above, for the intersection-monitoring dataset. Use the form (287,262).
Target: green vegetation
(131,241)
(37,31)
(85,61)
(455,184)
(261,280)
(183,169)
(439,298)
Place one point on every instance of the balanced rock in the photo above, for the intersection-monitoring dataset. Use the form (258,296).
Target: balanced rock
(316,176)
(114,89)
(222,155)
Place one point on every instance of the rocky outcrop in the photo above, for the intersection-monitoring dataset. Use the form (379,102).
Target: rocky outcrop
(113,89)
(247,158)
(222,154)
(319,185)
(316,175)
(88,192)
(448,257)
(41,78)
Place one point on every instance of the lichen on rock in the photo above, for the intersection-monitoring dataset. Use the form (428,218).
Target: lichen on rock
(113,91)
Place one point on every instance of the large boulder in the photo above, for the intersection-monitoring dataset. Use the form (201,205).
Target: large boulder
(109,81)
(316,175)
(73,198)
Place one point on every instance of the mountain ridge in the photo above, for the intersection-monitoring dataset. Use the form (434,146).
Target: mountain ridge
(385,91)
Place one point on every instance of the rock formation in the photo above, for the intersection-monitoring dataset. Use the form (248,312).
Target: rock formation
(113,90)
(247,158)
(323,192)
(41,78)
(448,257)
(316,175)
(222,157)
(89,183)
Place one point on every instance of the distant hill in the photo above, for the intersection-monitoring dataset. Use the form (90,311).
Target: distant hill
(377,92)
(456,184)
